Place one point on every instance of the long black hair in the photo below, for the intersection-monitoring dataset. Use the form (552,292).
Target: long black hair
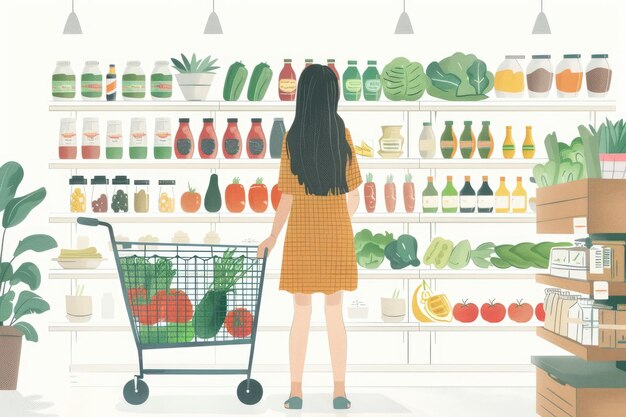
(316,141)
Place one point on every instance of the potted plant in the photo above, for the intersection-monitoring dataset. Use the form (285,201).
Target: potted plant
(612,149)
(15,300)
(195,76)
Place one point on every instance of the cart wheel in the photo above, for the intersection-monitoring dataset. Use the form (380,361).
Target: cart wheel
(250,391)
(136,396)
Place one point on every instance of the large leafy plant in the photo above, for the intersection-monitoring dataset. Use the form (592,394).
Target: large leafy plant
(612,136)
(459,77)
(14,305)
(194,66)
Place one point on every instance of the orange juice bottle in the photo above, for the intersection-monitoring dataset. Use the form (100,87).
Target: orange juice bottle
(528,148)
(508,147)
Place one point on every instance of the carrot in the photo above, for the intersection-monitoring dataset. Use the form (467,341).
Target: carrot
(409,193)
(390,194)
(369,193)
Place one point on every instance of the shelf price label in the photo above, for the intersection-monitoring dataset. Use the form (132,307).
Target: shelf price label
(600,290)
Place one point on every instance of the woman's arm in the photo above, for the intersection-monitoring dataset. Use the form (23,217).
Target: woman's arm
(282,213)
(353,201)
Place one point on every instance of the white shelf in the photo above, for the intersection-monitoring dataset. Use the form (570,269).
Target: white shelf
(482,164)
(490,105)
(103,274)
(477,218)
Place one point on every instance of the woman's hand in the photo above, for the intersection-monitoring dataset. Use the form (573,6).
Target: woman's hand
(268,244)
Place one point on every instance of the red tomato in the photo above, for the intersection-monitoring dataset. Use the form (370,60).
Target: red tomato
(493,313)
(148,314)
(520,313)
(464,312)
(540,312)
(235,197)
(173,306)
(239,322)
(137,299)
(257,196)
(276,194)
(190,200)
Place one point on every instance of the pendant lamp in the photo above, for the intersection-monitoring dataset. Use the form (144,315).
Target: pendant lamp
(404,26)
(213,25)
(72,25)
(542,27)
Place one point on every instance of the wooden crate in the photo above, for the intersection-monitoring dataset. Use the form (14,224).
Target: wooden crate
(598,203)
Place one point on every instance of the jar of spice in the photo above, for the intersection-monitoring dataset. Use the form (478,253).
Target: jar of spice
(91,81)
(539,76)
(599,76)
(119,200)
(78,196)
(133,82)
(99,194)
(509,79)
(167,196)
(141,200)
(67,139)
(161,81)
(569,76)
(63,81)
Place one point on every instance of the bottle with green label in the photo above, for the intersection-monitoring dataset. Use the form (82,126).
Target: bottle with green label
(448,142)
(449,198)
(91,81)
(371,82)
(430,198)
(133,82)
(485,142)
(485,197)
(161,81)
(63,81)
(352,84)
(467,142)
(467,197)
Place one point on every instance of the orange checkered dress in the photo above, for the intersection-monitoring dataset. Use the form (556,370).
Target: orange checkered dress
(318,255)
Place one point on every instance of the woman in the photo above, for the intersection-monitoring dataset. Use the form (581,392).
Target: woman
(319,180)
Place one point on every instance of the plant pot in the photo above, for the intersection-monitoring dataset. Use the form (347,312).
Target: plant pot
(393,309)
(10,351)
(613,165)
(391,142)
(195,86)
(78,308)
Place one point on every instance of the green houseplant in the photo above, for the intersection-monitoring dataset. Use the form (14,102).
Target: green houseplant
(195,76)
(16,301)
(612,137)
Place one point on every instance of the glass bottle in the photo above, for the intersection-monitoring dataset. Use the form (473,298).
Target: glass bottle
(371,82)
(427,141)
(448,142)
(352,84)
(430,198)
(503,198)
(331,64)
(485,197)
(162,138)
(276,138)
(138,146)
(467,142)
(528,147)
(508,147)
(111,83)
(114,145)
(467,197)
(255,142)
(207,141)
(449,198)
(485,141)
(183,143)
(519,200)
(308,62)
(287,82)
(231,143)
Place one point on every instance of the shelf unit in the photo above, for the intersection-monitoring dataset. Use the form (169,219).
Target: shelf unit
(579,285)
(588,353)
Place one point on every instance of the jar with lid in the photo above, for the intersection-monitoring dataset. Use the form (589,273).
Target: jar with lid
(67,139)
(569,76)
(114,145)
(255,143)
(138,144)
(183,142)
(231,143)
(539,76)
(167,196)
(78,196)
(119,199)
(90,147)
(509,79)
(162,138)
(91,81)
(161,84)
(207,141)
(141,200)
(287,83)
(133,81)
(599,76)
(99,194)
(63,81)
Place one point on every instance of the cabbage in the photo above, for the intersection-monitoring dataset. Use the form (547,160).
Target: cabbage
(459,77)
(404,80)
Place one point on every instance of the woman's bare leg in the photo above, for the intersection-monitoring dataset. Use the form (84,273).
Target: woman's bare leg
(298,339)
(337,340)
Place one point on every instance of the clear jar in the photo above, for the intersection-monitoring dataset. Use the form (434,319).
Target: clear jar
(91,81)
(99,194)
(167,196)
(119,198)
(509,79)
(63,81)
(599,76)
(133,82)
(161,81)
(539,75)
(141,200)
(78,196)
(67,139)
(569,76)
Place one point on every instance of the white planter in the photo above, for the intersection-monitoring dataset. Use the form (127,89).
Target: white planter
(613,165)
(195,86)
(78,308)
(393,309)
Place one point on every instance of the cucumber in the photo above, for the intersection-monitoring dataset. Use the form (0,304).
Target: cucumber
(213,196)
(235,80)
(210,314)
(259,82)
(505,253)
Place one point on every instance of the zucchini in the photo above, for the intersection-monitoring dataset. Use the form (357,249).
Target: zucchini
(235,80)
(210,314)
(259,82)
(213,196)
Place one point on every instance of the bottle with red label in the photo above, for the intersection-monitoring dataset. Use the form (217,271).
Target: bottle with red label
(256,144)
(231,144)
(90,148)
(67,139)
(183,143)
(287,83)
(331,65)
(207,141)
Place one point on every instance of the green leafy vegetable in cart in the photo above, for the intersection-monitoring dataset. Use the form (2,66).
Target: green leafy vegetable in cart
(459,77)
(155,273)
(171,333)
(402,252)
(460,256)
(404,80)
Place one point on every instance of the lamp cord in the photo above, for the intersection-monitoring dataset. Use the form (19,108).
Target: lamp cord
(541,6)
(72,6)
(404,5)
(214,4)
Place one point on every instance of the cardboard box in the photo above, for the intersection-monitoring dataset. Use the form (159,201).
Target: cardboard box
(613,329)
(593,206)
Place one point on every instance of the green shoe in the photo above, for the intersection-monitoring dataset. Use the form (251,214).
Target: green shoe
(293,403)
(341,403)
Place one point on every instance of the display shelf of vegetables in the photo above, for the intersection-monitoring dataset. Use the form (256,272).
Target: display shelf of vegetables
(588,353)
(580,286)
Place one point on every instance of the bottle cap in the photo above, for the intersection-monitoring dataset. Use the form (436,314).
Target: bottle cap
(142,182)
(486,123)
(167,182)
(232,120)
(120,180)
(183,120)
(449,178)
(502,179)
(111,65)
(594,56)
(428,124)
(352,62)
(78,180)
(99,180)
(542,56)
(256,120)
(514,57)
(467,123)
(308,60)
(528,127)
(449,122)
(430,179)
(371,62)
(287,60)
(330,60)
(485,178)
(519,179)
(568,56)
(467,178)
(207,120)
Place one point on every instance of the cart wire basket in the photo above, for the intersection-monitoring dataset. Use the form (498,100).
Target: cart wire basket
(185,295)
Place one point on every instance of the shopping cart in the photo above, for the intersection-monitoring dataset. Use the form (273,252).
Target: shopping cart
(185,295)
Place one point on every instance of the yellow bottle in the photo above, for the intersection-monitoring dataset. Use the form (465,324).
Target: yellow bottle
(503,198)
(519,198)
(528,148)
(508,147)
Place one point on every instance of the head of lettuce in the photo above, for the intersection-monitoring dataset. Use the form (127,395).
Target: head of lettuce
(459,77)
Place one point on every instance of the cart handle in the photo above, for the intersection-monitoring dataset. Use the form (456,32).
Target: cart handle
(88,221)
